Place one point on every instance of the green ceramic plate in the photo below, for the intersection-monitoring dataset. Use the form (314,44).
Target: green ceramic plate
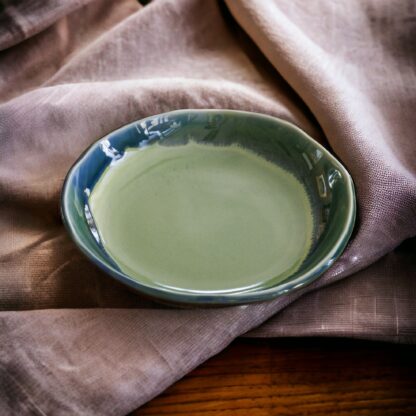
(210,206)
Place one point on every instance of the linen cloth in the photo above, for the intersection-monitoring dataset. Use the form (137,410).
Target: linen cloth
(73,341)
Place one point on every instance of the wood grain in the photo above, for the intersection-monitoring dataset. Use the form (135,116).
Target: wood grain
(296,377)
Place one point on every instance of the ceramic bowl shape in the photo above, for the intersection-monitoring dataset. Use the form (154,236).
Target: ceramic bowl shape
(210,206)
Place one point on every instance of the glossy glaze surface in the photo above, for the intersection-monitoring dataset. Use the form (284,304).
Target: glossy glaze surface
(327,184)
(198,217)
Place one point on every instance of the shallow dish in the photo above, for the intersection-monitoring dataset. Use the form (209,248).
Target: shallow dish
(210,206)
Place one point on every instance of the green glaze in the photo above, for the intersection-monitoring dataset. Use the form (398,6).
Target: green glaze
(198,217)
(179,231)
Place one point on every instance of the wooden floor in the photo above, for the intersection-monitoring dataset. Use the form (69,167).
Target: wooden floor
(296,377)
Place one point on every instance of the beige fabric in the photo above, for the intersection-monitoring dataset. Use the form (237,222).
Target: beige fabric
(75,342)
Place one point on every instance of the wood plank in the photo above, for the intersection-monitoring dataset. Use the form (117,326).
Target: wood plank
(289,377)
